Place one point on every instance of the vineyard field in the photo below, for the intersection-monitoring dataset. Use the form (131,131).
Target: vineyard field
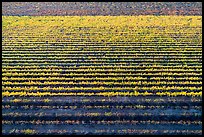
(123,75)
